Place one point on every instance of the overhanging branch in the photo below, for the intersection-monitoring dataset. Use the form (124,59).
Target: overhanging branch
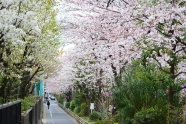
(179,73)
(160,66)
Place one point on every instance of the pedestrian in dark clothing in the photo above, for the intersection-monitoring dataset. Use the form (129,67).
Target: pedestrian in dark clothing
(48,104)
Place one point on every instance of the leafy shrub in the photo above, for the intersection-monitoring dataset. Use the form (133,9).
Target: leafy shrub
(105,121)
(143,91)
(67,104)
(148,115)
(72,105)
(112,120)
(27,102)
(77,109)
(59,98)
(94,116)
(77,98)
(175,115)
(103,113)
(83,110)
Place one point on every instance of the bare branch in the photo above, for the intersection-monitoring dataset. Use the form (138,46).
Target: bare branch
(105,8)
(109,2)
(167,35)
(125,2)
(183,48)
(179,74)
(160,66)
(179,40)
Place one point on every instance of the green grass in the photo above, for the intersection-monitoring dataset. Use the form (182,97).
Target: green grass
(87,120)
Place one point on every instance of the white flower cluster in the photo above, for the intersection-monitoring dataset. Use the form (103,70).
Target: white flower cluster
(111,35)
(27,36)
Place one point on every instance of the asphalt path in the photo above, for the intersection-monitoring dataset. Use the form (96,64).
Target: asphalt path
(56,115)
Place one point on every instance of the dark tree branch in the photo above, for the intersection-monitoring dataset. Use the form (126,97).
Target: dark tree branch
(179,74)
(108,3)
(25,51)
(114,70)
(125,2)
(37,70)
(167,35)
(19,9)
(1,52)
(183,48)
(145,16)
(105,8)
(2,7)
(160,66)
(32,89)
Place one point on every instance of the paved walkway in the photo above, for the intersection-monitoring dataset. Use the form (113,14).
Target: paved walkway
(56,115)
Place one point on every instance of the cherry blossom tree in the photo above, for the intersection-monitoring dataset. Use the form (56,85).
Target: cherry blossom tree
(164,41)
(112,29)
(28,43)
(98,33)
(108,35)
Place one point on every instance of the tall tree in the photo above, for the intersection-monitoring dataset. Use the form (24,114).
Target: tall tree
(28,43)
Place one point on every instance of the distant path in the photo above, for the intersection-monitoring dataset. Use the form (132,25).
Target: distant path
(56,115)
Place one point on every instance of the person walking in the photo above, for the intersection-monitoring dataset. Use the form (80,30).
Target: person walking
(48,104)
(45,97)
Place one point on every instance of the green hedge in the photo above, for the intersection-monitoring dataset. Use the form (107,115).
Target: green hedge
(112,120)
(94,116)
(67,104)
(84,109)
(148,115)
(77,109)
(72,105)
(27,102)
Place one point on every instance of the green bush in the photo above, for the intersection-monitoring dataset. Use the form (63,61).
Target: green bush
(148,115)
(67,104)
(72,105)
(111,120)
(84,109)
(77,109)
(27,102)
(105,121)
(141,87)
(59,98)
(94,116)
(77,98)
(104,114)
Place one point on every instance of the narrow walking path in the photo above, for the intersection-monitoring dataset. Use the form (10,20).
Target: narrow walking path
(56,115)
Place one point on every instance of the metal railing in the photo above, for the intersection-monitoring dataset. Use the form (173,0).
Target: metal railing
(10,113)
(34,114)
(26,118)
